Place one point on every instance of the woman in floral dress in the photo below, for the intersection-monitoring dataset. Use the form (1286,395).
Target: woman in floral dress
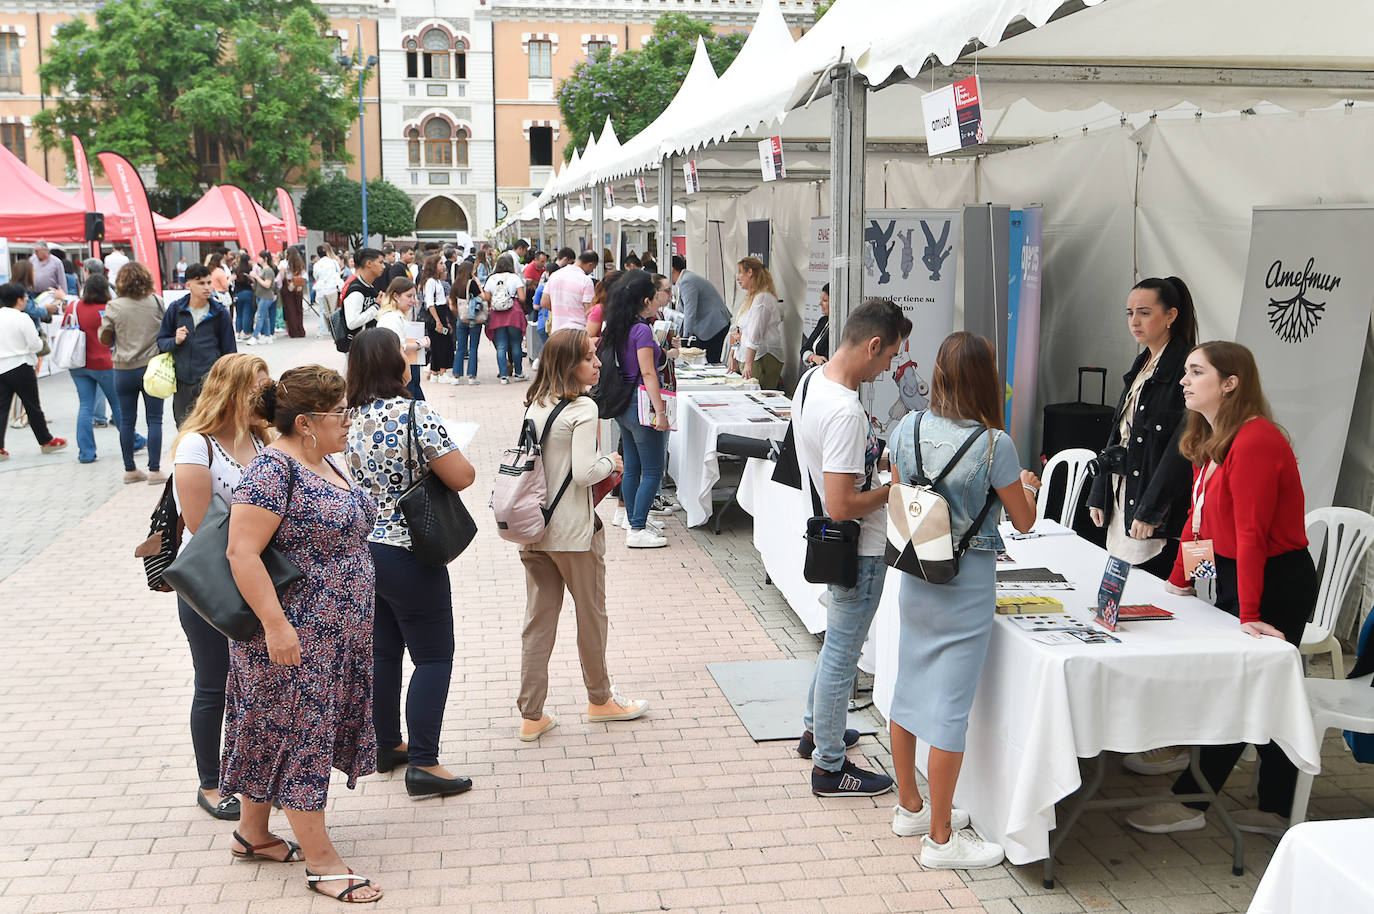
(299,695)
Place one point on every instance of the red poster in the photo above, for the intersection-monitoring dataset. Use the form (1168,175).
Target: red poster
(133,198)
(246,223)
(288,212)
(83,178)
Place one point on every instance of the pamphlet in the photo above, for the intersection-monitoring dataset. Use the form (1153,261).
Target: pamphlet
(646,408)
(1023,579)
(1142,612)
(1047,622)
(1019,606)
(1109,592)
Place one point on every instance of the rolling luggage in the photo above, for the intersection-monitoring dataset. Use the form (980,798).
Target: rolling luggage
(1078,424)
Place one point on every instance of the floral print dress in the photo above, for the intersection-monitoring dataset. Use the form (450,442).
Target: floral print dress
(286,727)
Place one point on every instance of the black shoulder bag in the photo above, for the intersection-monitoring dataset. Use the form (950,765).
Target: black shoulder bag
(611,393)
(440,525)
(832,546)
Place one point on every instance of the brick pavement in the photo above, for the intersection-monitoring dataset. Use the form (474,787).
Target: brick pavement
(678,811)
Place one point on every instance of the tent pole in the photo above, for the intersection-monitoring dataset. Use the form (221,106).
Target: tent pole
(849,101)
(562,223)
(599,226)
(542,245)
(665,216)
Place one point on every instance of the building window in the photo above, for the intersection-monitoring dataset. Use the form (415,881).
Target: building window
(460,65)
(541,145)
(541,60)
(438,148)
(414,138)
(594,47)
(207,149)
(460,150)
(412,64)
(9,62)
(12,138)
(435,44)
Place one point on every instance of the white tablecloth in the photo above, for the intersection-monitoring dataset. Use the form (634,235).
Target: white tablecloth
(1320,867)
(1039,708)
(701,417)
(711,377)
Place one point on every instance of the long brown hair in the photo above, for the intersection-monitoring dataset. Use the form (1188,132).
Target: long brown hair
(458,292)
(965,383)
(375,367)
(231,389)
(1203,441)
(556,377)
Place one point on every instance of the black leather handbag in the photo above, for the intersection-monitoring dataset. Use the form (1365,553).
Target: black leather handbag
(440,525)
(201,576)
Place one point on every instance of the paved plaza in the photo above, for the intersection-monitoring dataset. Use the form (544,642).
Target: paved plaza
(677,811)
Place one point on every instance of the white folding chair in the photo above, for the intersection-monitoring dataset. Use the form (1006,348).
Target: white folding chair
(1349,533)
(1342,704)
(1074,460)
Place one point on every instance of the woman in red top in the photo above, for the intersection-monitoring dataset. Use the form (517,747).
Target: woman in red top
(99,371)
(1247,521)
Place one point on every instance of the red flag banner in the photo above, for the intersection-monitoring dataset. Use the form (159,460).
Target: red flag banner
(246,222)
(83,177)
(133,198)
(288,213)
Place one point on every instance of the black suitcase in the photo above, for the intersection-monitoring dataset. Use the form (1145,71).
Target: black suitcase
(1078,424)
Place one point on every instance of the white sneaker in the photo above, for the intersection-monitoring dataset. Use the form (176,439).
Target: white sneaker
(472,380)
(521,376)
(1166,760)
(621,518)
(963,851)
(505,380)
(1166,818)
(251,341)
(645,539)
(905,823)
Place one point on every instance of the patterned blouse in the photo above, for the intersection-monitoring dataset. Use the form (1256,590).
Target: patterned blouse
(385,459)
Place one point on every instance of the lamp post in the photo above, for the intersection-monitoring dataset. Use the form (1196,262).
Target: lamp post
(357,65)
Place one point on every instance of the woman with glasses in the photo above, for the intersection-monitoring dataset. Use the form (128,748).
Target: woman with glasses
(299,698)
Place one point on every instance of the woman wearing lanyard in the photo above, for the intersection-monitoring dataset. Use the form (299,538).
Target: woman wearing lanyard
(1247,530)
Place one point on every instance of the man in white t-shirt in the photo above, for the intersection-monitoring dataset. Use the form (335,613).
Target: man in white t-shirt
(569,293)
(114,262)
(837,454)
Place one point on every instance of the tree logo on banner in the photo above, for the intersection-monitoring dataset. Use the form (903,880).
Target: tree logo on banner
(936,251)
(1295,319)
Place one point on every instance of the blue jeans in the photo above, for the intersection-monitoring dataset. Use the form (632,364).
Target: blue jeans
(508,341)
(465,340)
(87,383)
(415,392)
(847,623)
(266,323)
(128,383)
(644,456)
(245,309)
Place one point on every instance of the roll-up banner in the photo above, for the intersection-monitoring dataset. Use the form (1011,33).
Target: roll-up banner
(1305,311)
(246,223)
(817,272)
(288,213)
(83,180)
(1023,327)
(133,198)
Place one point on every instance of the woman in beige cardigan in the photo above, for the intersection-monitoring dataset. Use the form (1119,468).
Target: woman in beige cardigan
(572,553)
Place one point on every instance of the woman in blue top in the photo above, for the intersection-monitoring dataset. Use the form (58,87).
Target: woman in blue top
(945,627)
(627,333)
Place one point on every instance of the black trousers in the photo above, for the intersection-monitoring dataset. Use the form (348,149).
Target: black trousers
(1162,565)
(415,612)
(184,400)
(210,660)
(21,381)
(1290,595)
(715,346)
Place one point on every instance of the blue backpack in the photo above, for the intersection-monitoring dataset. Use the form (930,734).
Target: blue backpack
(1362,744)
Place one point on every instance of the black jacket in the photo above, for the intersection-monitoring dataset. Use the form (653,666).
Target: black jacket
(817,341)
(1158,477)
(205,342)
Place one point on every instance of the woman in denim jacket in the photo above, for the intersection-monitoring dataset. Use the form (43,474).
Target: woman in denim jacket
(945,627)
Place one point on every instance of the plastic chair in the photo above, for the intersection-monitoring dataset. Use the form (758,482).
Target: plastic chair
(1075,463)
(1349,533)
(1337,704)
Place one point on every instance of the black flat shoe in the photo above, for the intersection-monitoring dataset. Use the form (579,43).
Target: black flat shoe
(226,809)
(389,759)
(423,784)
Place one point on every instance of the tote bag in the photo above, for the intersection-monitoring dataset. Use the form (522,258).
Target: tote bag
(69,343)
(440,525)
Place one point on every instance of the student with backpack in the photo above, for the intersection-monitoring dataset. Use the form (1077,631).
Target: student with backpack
(945,627)
(571,552)
(359,309)
(504,294)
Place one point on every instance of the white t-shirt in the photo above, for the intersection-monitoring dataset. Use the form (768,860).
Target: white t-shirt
(513,285)
(224,469)
(833,435)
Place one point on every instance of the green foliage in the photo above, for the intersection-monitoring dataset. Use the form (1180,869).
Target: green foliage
(635,86)
(337,206)
(823,7)
(257,76)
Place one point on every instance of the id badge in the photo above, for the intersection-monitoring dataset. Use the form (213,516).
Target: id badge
(1199,560)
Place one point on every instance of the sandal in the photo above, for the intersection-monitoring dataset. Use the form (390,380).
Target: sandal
(312,882)
(293,850)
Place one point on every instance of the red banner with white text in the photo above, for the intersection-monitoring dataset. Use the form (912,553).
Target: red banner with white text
(133,198)
(288,213)
(246,223)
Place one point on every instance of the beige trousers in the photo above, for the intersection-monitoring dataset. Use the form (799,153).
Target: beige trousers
(546,575)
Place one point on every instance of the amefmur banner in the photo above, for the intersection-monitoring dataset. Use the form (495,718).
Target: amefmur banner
(1305,313)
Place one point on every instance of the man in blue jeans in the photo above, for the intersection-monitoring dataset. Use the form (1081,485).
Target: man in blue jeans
(838,456)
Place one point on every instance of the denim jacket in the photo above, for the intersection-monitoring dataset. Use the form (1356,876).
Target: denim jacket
(966,488)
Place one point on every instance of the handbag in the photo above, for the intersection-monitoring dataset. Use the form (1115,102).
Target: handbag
(164,536)
(160,377)
(201,576)
(440,525)
(612,393)
(920,540)
(832,546)
(69,343)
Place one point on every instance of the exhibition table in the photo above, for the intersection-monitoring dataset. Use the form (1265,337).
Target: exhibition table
(1039,707)
(1319,866)
(704,415)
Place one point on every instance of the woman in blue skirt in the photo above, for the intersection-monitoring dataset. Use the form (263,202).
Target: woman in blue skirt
(945,627)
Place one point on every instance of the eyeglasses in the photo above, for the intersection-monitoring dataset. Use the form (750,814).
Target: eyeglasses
(341,413)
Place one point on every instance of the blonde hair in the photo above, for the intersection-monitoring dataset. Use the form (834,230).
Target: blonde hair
(230,391)
(556,377)
(390,299)
(760,280)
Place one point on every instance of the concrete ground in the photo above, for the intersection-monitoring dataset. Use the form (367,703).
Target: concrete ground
(678,811)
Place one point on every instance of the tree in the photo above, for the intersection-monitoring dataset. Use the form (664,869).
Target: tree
(337,206)
(635,86)
(254,79)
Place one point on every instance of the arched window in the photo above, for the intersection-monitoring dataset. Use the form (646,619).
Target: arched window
(436,44)
(438,145)
(414,137)
(460,59)
(460,148)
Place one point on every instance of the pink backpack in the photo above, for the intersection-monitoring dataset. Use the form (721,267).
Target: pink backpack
(521,490)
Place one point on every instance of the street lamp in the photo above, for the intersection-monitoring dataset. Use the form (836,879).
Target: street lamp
(356,65)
